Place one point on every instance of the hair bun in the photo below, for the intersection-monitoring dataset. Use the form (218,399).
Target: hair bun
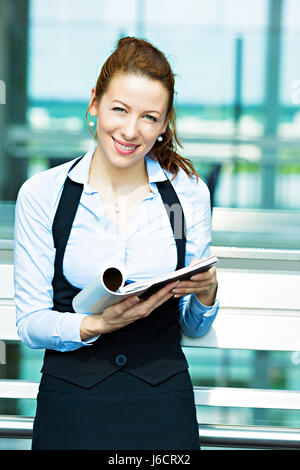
(126,40)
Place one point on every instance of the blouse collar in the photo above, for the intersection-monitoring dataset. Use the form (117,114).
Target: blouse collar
(80,173)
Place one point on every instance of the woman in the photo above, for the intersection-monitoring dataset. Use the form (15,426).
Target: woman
(117,379)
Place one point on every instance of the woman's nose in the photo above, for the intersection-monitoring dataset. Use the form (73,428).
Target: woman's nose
(130,129)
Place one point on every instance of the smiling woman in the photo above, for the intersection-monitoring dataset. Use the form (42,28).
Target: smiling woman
(117,379)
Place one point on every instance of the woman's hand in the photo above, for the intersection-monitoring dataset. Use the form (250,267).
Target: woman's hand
(121,314)
(204,285)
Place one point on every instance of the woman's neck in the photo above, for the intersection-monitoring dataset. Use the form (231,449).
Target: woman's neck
(118,180)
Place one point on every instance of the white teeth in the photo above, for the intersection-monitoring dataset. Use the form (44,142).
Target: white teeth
(123,146)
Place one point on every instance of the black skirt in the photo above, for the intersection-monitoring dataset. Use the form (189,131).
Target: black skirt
(121,412)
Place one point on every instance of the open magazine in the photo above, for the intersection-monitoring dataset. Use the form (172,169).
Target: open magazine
(109,288)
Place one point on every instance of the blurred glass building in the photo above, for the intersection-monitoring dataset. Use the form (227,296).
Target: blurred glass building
(238,116)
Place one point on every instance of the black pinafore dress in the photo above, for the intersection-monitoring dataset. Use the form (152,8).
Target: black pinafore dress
(131,389)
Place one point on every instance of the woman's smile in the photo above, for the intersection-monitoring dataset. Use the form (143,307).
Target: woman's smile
(123,147)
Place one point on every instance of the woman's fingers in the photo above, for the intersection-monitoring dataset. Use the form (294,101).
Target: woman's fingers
(199,284)
(210,273)
(131,309)
(157,299)
(191,288)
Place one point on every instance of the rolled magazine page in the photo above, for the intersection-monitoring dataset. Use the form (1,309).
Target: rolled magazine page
(102,287)
(113,279)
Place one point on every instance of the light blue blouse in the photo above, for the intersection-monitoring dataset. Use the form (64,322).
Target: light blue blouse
(146,249)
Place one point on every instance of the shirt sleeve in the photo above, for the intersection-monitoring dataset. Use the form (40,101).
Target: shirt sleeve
(195,318)
(38,325)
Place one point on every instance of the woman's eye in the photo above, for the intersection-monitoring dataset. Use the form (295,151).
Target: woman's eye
(151,118)
(118,109)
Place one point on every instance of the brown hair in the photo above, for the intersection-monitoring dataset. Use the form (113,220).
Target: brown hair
(139,57)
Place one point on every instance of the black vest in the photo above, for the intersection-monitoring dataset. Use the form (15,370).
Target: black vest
(148,348)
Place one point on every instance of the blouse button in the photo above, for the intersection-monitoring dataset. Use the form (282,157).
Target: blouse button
(121,359)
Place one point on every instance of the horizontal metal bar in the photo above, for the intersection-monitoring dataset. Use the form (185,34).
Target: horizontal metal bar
(248,398)
(251,329)
(16,427)
(256,253)
(255,219)
(204,396)
(18,389)
(6,245)
(249,437)
(209,435)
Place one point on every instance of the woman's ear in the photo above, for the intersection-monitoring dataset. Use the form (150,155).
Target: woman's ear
(93,109)
(165,124)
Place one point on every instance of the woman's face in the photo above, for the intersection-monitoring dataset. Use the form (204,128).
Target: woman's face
(131,115)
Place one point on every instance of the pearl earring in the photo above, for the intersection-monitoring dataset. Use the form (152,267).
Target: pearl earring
(160,138)
(91,123)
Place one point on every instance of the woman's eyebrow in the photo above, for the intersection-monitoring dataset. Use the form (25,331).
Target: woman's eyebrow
(126,106)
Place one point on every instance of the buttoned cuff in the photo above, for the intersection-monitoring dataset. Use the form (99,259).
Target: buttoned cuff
(69,331)
(204,310)
(197,318)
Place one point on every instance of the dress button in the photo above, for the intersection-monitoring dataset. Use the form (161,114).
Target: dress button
(121,359)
